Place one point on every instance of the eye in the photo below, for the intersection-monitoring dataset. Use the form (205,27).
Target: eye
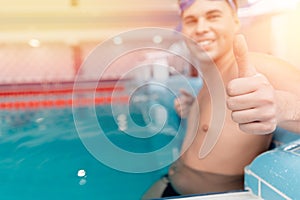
(213,17)
(190,21)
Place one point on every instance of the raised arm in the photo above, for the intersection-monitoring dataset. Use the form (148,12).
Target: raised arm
(266,94)
(285,78)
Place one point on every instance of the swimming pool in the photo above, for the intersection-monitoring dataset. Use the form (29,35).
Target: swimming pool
(51,144)
(43,154)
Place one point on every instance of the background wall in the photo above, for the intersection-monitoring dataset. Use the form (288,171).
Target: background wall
(48,40)
(286,36)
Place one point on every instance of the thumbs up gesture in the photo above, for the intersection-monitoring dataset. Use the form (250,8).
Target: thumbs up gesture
(251,97)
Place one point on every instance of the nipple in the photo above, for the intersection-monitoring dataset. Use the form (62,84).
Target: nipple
(205,128)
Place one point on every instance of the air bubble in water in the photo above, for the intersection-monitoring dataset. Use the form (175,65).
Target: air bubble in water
(82,181)
(81,173)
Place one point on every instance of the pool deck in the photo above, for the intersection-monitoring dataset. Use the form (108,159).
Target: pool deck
(244,195)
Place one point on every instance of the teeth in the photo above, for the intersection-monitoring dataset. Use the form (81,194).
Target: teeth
(206,42)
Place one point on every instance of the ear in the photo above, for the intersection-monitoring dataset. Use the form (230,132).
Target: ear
(237,23)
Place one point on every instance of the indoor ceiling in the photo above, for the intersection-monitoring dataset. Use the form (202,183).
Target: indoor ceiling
(58,19)
(61,19)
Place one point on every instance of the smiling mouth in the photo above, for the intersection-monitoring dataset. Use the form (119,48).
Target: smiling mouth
(205,43)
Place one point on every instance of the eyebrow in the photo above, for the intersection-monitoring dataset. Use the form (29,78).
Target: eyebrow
(214,11)
(210,12)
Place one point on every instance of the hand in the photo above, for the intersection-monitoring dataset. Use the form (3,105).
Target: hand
(183,103)
(251,96)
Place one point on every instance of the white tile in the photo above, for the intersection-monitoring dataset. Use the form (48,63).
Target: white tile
(225,196)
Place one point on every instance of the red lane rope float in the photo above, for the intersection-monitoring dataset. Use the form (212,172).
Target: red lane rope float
(64,102)
(64,91)
(31,97)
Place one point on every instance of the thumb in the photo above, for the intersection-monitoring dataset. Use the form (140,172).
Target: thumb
(240,49)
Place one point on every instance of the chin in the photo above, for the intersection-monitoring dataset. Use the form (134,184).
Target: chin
(209,56)
(204,57)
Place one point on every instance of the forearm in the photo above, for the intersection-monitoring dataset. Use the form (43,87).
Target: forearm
(289,111)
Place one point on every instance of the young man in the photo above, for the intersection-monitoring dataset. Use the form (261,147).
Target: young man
(261,93)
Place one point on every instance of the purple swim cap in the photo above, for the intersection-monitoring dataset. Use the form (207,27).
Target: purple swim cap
(184,4)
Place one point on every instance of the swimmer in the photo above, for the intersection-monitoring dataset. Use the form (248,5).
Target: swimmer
(262,92)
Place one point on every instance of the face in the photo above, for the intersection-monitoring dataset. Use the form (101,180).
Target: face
(212,25)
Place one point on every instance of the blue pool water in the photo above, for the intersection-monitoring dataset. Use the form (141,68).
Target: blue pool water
(42,154)
(50,151)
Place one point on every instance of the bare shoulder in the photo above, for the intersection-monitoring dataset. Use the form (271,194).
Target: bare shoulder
(266,62)
(278,71)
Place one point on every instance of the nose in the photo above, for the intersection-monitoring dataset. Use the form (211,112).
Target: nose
(202,26)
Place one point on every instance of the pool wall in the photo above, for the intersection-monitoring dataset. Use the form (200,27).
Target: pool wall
(275,174)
